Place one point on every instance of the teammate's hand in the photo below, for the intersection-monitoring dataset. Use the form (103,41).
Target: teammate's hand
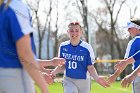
(48,71)
(48,78)
(121,65)
(102,82)
(58,61)
(127,80)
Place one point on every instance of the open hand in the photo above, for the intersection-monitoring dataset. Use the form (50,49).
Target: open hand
(102,82)
(48,78)
(127,80)
(48,71)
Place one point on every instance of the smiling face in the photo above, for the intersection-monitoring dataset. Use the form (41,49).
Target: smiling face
(75,32)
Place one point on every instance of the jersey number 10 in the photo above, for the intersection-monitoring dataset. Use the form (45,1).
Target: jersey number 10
(72,65)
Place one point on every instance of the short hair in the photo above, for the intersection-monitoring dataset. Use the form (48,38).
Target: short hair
(74,24)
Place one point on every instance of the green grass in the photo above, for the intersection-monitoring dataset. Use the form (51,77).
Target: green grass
(95,88)
(115,88)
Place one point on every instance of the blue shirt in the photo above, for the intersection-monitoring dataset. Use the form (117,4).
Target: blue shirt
(132,48)
(78,58)
(14,24)
(136,56)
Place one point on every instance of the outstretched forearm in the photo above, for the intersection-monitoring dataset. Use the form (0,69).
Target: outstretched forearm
(122,65)
(117,73)
(130,60)
(56,61)
(93,72)
(43,63)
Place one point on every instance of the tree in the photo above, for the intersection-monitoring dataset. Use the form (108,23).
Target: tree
(49,30)
(113,20)
(83,9)
(56,32)
(133,9)
(108,30)
(37,21)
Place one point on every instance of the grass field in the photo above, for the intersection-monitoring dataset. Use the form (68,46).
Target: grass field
(96,88)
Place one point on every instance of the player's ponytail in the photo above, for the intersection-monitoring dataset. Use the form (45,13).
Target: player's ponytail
(1,1)
(8,2)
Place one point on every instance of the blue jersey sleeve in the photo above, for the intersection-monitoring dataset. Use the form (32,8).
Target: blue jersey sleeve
(136,56)
(137,44)
(130,50)
(132,47)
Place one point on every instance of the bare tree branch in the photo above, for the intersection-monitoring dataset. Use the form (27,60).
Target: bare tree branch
(120,7)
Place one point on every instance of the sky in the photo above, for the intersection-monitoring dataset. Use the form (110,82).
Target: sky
(124,14)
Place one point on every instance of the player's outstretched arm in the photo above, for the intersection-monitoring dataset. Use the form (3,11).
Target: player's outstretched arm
(98,79)
(53,62)
(126,81)
(119,68)
(112,78)
(129,78)
(123,64)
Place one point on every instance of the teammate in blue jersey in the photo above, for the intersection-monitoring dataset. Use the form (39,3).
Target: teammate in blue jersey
(126,81)
(79,67)
(17,58)
(131,51)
